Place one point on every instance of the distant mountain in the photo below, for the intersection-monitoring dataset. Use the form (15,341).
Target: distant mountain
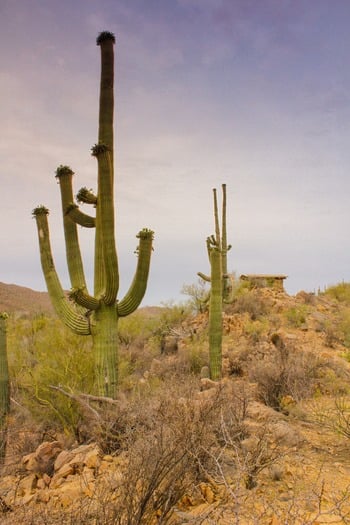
(21,300)
(24,301)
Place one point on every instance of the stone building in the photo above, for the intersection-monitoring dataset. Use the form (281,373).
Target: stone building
(262,280)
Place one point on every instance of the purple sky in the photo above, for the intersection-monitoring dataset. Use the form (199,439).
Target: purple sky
(251,93)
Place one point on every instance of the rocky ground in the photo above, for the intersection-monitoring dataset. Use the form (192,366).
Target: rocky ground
(306,475)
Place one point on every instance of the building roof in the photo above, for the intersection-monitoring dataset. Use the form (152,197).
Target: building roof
(263,276)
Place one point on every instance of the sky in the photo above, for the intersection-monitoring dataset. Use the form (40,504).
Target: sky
(251,93)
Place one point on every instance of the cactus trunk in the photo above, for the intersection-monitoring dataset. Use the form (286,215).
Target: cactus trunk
(215,315)
(104,333)
(97,314)
(4,386)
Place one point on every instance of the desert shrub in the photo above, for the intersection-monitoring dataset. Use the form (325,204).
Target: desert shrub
(246,447)
(286,372)
(165,461)
(170,321)
(135,329)
(332,333)
(43,353)
(256,329)
(344,327)
(297,315)
(340,292)
(251,302)
(335,416)
(198,296)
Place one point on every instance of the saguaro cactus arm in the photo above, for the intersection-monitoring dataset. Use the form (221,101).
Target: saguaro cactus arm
(137,290)
(64,176)
(216,220)
(105,221)
(77,322)
(86,196)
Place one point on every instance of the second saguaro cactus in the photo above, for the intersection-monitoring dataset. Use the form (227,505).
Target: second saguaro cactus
(217,251)
(95,314)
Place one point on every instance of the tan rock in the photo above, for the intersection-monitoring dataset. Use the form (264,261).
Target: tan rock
(207,492)
(63,457)
(65,471)
(43,496)
(27,485)
(43,458)
(93,458)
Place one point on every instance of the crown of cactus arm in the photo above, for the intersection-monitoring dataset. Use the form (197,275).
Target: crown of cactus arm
(86,196)
(103,36)
(4,315)
(63,170)
(145,234)
(40,210)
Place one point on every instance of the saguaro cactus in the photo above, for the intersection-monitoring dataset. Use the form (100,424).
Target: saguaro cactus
(217,252)
(4,385)
(97,314)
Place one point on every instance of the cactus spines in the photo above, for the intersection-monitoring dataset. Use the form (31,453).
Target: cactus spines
(95,314)
(4,385)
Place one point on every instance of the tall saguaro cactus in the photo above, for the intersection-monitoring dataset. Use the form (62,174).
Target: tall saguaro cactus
(4,385)
(217,251)
(95,314)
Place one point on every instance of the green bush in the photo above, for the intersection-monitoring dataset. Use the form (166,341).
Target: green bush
(340,292)
(297,315)
(42,354)
(345,327)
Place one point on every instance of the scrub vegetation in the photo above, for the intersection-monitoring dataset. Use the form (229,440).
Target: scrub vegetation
(175,446)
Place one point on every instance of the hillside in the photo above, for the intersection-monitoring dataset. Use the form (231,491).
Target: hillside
(22,300)
(269,444)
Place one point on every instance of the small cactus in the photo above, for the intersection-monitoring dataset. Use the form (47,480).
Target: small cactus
(4,385)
